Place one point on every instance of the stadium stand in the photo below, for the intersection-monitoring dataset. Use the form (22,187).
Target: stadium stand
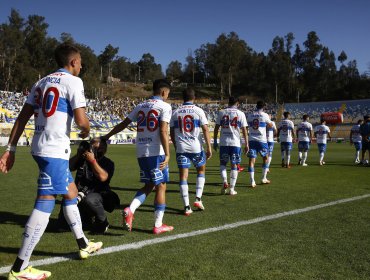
(104,113)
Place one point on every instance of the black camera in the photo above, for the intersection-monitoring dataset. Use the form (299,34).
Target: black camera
(82,192)
(84,147)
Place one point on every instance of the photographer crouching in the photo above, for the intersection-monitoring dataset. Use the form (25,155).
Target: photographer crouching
(94,172)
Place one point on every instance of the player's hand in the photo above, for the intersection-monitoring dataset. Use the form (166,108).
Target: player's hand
(246,149)
(164,163)
(6,161)
(215,146)
(83,134)
(89,156)
(209,154)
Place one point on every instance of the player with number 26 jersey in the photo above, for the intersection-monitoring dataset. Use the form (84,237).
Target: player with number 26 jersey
(148,116)
(54,98)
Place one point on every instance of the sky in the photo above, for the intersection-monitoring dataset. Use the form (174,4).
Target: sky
(169,29)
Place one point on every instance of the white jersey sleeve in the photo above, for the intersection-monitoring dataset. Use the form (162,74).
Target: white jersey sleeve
(270,132)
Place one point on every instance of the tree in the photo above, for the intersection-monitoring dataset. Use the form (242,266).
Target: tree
(174,71)
(11,43)
(105,60)
(149,69)
(342,57)
(35,40)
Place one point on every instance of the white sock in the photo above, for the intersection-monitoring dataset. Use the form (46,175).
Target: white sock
(357,155)
(321,156)
(158,214)
(300,155)
(184,192)
(223,173)
(33,231)
(200,185)
(288,158)
(304,157)
(264,172)
(269,160)
(73,218)
(137,201)
(251,173)
(233,178)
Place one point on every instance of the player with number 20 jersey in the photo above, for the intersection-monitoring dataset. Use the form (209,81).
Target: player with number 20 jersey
(53,113)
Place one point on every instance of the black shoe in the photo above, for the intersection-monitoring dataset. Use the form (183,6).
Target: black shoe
(100,227)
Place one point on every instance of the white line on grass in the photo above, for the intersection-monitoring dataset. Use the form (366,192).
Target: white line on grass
(141,244)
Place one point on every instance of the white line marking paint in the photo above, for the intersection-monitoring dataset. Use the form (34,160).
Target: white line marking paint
(141,244)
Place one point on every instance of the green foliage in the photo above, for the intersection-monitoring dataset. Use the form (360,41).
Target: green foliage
(282,74)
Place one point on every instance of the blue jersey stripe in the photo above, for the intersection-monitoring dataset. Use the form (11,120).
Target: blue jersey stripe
(63,105)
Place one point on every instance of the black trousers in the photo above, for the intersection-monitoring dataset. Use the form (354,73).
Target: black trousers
(95,204)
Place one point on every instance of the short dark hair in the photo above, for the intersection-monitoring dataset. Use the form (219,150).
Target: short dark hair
(159,84)
(63,53)
(305,117)
(359,121)
(233,100)
(260,104)
(188,94)
(286,114)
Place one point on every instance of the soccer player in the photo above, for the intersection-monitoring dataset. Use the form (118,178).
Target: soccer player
(257,122)
(152,151)
(54,101)
(355,139)
(365,133)
(187,121)
(322,132)
(271,133)
(304,135)
(232,123)
(285,136)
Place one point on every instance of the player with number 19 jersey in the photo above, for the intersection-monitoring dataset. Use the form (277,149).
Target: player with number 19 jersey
(148,116)
(257,122)
(54,98)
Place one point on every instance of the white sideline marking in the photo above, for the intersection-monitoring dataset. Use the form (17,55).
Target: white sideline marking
(141,244)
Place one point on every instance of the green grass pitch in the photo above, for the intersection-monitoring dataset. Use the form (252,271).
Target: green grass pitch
(328,243)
